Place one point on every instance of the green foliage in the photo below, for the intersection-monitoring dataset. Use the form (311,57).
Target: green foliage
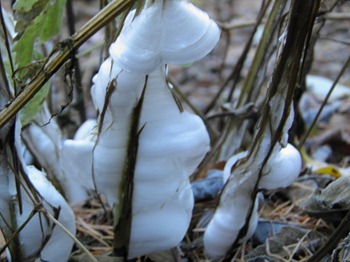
(30,110)
(25,6)
(37,20)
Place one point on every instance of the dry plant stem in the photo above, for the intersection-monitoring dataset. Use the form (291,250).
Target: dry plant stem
(284,81)
(227,35)
(213,133)
(75,62)
(77,242)
(286,75)
(238,25)
(340,41)
(17,169)
(184,97)
(14,241)
(263,10)
(333,240)
(71,27)
(235,74)
(10,155)
(336,16)
(252,80)
(345,66)
(111,87)
(123,212)
(262,52)
(64,54)
(247,111)
(23,184)
(215,148)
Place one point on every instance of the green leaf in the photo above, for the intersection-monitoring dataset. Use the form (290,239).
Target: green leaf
(30,110)
(52,20)
(24,6)
(24,48)
(24,17)
(37,21)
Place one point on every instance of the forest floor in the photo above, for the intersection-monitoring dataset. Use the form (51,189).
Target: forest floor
(292,225)
(294,222)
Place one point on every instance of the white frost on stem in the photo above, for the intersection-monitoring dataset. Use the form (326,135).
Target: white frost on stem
(235,210)
(167,32)
(44,139)
(171,142)
(171,145)
(33,235)
(283,168)
(39,238)
(235,218)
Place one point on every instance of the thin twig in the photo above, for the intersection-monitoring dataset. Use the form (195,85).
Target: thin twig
(247,111)
(76,241)
(184,98)
(238,24)
(333,240)
(261,54)
(64,54)
(298,245)
(336,16)
(236,72)
(8,49)
(19,229)
(77,73)
(303,139)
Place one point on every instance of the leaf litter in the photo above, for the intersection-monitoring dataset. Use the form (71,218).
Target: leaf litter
(291,226)
(287,230)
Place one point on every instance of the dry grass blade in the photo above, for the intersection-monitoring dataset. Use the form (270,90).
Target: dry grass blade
(76,241)
(90,230)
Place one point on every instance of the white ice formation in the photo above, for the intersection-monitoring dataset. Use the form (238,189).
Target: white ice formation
(170,142)
(40,237)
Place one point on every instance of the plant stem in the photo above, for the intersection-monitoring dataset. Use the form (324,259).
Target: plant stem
(273,121)
(58,58)
(123,212)
(333,240)
(261,55)
(345,66)
(77,242)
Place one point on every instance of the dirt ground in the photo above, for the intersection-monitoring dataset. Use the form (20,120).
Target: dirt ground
(201,81)
(301,231)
